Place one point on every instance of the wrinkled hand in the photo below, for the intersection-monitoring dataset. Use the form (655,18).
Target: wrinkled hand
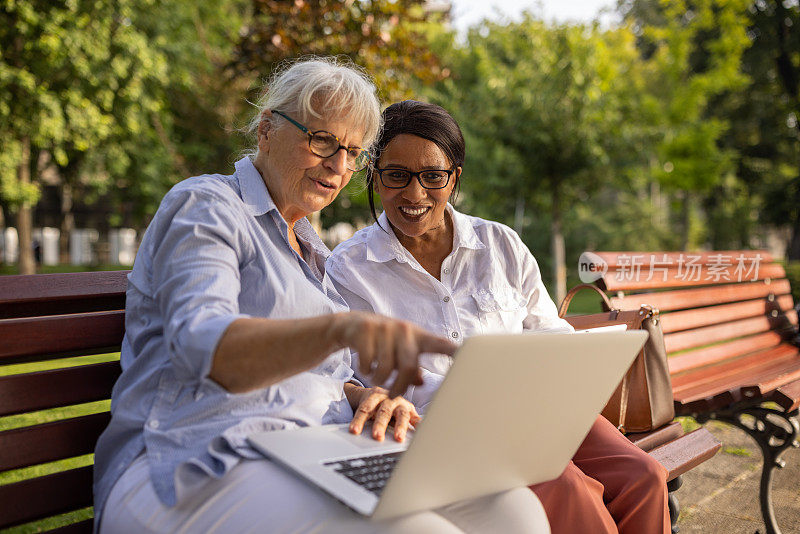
(385,345)
(376,404)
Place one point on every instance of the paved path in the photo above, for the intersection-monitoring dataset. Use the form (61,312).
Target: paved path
(722,495)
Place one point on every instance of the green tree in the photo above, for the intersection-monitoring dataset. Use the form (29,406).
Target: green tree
(694,58)
(121,98)
(548,117)
(388,38)
(761,134)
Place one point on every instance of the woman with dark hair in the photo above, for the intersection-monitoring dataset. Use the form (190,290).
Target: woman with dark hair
(456,276)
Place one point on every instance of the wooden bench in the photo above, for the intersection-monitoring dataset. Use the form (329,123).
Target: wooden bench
(731,334)
(45,317)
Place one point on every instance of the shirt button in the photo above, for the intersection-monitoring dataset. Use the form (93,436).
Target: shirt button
(154,424)
(446,270)
(454,334)
(446,299)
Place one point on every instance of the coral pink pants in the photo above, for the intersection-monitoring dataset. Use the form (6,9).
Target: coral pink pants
(609,486)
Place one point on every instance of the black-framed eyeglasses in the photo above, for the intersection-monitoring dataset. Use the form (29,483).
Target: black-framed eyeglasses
(324,144)
(395,178)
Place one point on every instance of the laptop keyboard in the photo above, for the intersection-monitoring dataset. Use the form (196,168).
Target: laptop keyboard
(369,472)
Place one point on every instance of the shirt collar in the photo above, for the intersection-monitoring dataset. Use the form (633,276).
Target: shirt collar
(255,194)
(464,235)
(256,197)
(384,245)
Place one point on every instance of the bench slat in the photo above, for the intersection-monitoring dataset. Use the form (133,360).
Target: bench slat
(733,367)
(650,440)
(686,452)
(707,296)
(60,387)
(724,351)
(788,396)
(51,294)
(722,332)
(769,384)
(45,496)
(699,317)
(614,281)
(734,376)
(22,447)
(59,335)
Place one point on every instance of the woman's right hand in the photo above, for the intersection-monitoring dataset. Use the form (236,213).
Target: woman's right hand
(385,345)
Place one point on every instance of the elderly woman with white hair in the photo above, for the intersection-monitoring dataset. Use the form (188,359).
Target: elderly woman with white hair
(233,327)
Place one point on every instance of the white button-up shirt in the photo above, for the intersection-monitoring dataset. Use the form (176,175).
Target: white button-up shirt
(490,283)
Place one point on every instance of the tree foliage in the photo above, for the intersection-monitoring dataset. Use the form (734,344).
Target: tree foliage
(757,142)
(547,113)
(386,37)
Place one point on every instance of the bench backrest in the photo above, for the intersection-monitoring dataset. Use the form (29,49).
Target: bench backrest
(715,306)
(46,318)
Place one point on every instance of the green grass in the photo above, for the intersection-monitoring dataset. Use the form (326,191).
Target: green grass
(45,416)
(52,522)
(688,424)
(737,451)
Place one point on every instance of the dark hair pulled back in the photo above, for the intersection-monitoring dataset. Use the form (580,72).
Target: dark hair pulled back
(424,120)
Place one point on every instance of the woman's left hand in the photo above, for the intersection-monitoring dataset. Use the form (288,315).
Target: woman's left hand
(375,404)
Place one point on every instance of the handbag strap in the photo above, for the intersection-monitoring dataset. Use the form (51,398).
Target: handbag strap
(625,392)
(562,310)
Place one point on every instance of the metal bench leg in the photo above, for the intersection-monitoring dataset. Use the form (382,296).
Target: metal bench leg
(674,509)
(774,431)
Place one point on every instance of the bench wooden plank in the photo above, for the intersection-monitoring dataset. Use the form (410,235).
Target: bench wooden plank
(721,332)
(771,383)
(708,404)
(55,336)
(678,299)
(46,496)
(52,294)
(734,378)
(752,362)
(15,289)
(686,452)
(29,392)
(699,317)
(615,281)
(788,396)
(650,440)
(22,447)
(702,357)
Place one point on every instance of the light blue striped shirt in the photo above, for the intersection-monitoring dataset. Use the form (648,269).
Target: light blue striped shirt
(216,250)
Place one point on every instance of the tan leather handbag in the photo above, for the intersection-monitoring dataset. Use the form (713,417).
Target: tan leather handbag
(643,400)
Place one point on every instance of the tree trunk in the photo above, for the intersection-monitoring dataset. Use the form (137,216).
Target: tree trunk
(67,221)
(559,254)
(685,221)
(26,264)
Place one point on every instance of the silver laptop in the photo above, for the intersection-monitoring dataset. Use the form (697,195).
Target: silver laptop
(511,412)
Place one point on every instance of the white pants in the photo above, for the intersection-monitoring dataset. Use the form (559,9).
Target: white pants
(258,496)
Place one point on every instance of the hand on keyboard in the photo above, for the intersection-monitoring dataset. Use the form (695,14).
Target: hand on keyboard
(375,404)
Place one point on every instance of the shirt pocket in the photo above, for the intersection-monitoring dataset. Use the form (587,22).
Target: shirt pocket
(500,310)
